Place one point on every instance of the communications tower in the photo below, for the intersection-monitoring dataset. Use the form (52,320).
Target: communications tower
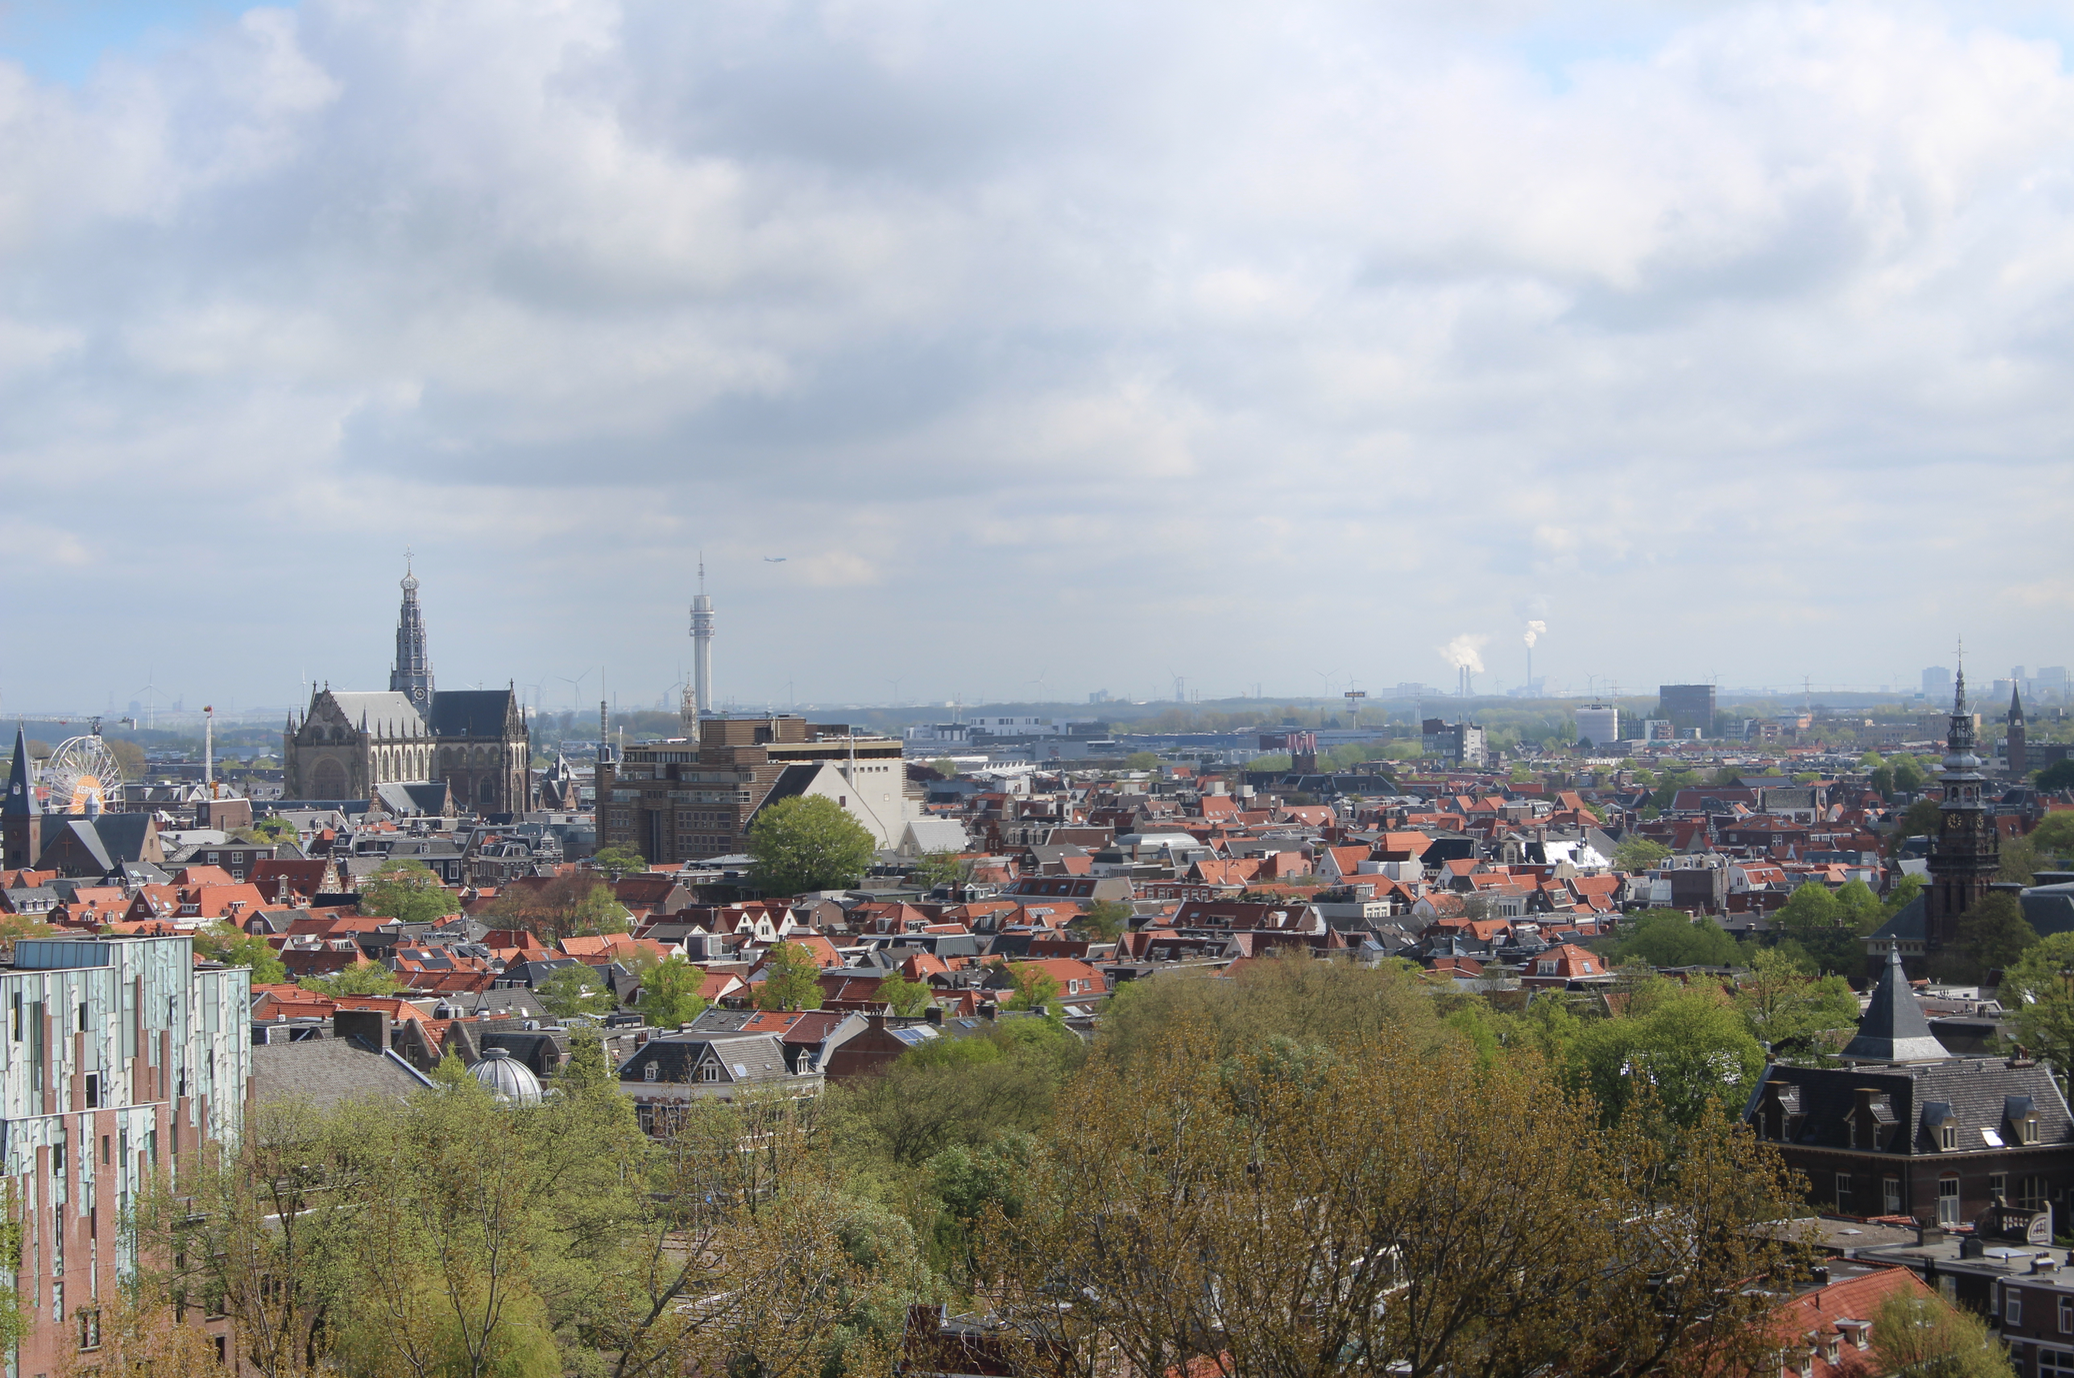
(702,644)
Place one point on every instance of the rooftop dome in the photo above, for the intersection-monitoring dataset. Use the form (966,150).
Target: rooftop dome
(509,1080)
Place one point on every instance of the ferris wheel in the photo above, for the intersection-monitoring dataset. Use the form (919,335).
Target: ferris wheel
(83,777)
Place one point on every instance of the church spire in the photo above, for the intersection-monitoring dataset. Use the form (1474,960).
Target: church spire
(21,791)
(412,674)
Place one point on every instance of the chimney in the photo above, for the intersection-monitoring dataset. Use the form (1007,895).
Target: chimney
(371,1027)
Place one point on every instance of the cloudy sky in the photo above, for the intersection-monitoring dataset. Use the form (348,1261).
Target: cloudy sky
(1056,346)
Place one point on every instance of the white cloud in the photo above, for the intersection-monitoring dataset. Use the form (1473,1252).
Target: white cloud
(1300,319)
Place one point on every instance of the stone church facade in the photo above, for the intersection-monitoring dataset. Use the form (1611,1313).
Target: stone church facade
(475,741)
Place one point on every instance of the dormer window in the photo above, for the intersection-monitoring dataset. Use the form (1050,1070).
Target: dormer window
(1948,1135)
(709,1072)
(648,1072)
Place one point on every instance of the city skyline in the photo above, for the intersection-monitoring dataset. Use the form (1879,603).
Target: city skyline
(1016,355)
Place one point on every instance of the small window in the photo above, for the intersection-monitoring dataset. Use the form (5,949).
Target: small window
(1890,1193)
(710,1072)
(1949,1135)
(89,1328)
(93,1095)
(2067,1315)
(82,1016)
(1998,1184)
(1843,1193)
(1948,1201)
(2013,1306)
(648,1071)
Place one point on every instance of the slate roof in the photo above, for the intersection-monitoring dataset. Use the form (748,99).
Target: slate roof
(2049,908)
(744,1059)
(1893,1028)
(325,1071)
(381,710)
(1972,1092)
(1909,924)
(470,713)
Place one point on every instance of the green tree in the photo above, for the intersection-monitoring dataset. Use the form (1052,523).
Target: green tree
(808,842)
(1994,934)
(409,891)
(1915,1331)
(1035,989)
(945,766)
(1903,890)
(574,992)
(2057,776)
(616,862)
(938,868)
(587,1070)
(1909,775)
(2054,835)
(1688,1045)
(791,979)
(361,978)
(908,998)
(1141,760)
(2038,991)
(1919,819)
(1106,919)
(1669,938)
(1636,854)
(276,830)
(1784,1007)
(669,995)
(234,948)
(1819,921)
(2018,861)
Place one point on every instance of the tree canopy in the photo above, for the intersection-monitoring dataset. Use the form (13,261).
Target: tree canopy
(1670,938)
(1636,854)
(669,995)
(808,843)
(791,979)
(361,978)
(409,891)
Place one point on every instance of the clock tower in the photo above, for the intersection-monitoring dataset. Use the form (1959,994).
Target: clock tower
(1966,853)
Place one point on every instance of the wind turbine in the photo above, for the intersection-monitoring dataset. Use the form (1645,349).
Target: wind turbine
(575,689)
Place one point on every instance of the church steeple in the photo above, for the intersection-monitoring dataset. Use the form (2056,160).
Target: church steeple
(1966,853)
(412,674)
(2013,749)
(21,821)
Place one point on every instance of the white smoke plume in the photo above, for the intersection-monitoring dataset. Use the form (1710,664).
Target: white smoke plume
(1534,630)
(1462,652)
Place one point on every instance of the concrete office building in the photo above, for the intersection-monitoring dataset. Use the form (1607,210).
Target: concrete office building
(1688,707)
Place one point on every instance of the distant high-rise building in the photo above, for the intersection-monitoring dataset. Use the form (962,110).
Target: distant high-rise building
(1458,743)
(1688,707)
(1937,681)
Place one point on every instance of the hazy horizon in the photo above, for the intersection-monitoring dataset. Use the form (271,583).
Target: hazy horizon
(1011,353)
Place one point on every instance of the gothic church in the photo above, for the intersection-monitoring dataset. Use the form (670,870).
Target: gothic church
(474,741)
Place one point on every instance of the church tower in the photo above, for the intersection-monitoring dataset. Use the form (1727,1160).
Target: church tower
(2013,750)
(412,674)
(1967,851)
(21,821)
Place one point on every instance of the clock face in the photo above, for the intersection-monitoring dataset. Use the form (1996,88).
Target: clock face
(418,693)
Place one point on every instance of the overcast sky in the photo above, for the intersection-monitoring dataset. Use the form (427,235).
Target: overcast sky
(1056,346)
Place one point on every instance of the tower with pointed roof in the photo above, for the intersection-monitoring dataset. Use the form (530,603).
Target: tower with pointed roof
(2013,749)
(412,673)
(1967,852)
(1893,1028)
(21,820)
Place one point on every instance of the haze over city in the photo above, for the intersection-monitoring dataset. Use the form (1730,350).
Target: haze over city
(1018,352)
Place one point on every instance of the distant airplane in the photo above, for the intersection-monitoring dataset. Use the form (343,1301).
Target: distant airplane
(776,559)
